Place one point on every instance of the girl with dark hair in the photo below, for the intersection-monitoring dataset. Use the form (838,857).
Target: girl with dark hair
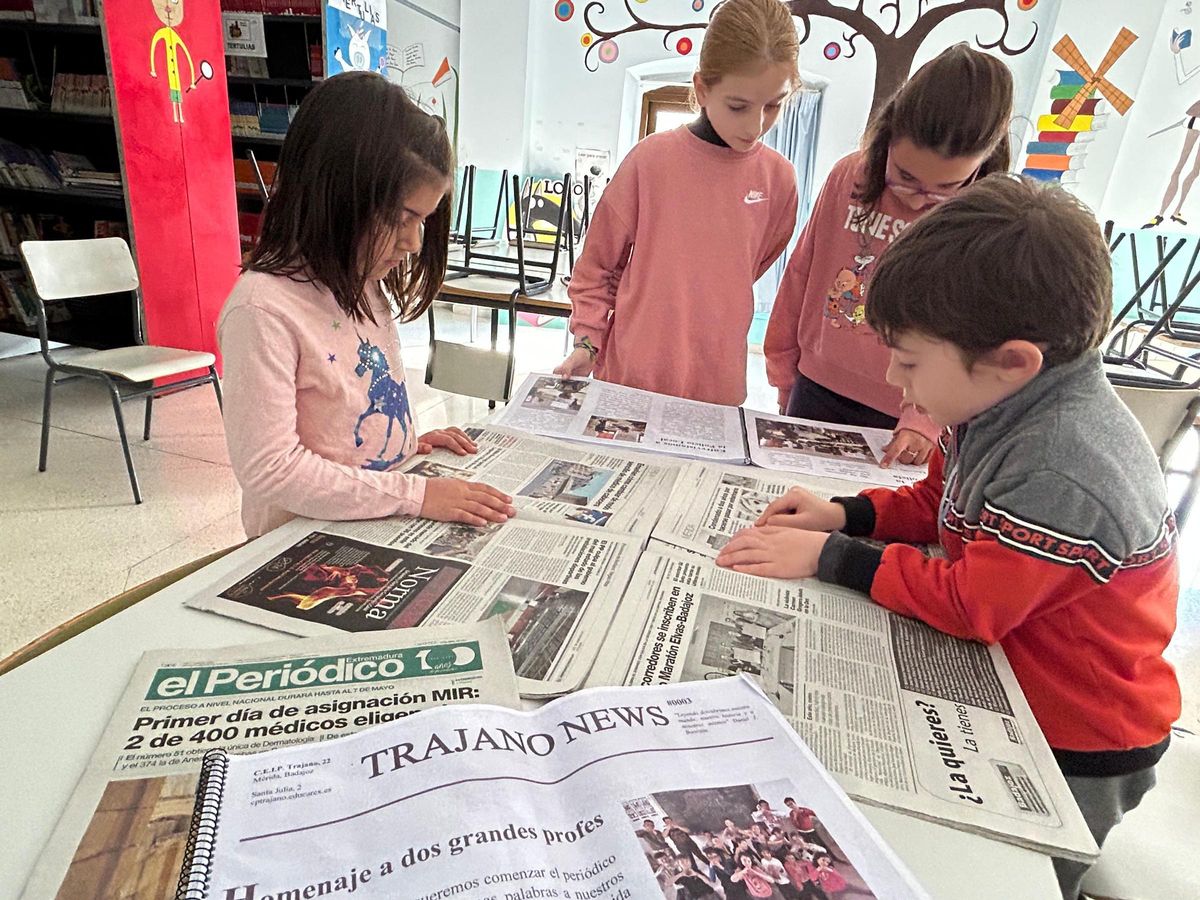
(945,128)
(355,236)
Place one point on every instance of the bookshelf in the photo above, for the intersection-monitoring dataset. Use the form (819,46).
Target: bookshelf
(57,116)
(263,96)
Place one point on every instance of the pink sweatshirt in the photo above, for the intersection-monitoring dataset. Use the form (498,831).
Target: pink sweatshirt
(818,325)
(663,287)
(299,377)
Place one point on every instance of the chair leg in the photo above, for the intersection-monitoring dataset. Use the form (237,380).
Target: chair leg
(133,481)
(216,383)
(149,407)
(46,420)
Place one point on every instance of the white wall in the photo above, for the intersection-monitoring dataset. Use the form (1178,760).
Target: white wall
(494,51)
(571,107)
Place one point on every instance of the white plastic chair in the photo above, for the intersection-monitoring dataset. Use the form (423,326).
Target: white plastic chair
(1151,854)
(61,270)
(1165,413)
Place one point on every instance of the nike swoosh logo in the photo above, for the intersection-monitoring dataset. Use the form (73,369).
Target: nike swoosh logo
(749,200)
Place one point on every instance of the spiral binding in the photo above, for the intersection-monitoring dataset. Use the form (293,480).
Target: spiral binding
(202,831)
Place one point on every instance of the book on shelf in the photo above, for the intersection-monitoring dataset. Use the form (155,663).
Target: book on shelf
(15,288)
(26,167)
(12,90)
(247,66)
(80,94)
(19,10)
(243,117)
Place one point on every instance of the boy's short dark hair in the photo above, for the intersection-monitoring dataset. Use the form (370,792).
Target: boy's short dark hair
(1007,259)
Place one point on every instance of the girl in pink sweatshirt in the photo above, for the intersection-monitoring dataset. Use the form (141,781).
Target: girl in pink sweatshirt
(317,413)
(947,126)
(662,294)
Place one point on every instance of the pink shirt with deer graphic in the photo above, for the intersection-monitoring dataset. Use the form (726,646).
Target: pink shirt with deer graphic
(316,408)
(818,326)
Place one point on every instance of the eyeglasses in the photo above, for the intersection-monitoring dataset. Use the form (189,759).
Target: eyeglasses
(907,190)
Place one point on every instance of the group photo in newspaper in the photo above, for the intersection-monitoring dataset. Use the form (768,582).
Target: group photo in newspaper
(687,731)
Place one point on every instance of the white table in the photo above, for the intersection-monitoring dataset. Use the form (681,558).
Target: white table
(54,708)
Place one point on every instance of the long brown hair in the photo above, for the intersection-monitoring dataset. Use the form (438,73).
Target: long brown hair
(958,104)
(355,151)
(746,34)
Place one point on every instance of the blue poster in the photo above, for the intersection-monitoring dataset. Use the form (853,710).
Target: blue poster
(355,36)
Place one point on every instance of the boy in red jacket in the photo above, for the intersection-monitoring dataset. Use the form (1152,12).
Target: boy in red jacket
(1044,493)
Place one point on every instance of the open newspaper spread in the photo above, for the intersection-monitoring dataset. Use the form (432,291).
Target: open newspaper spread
(597,412)
(607,794)
(556,588)
(584,409)
(557,482)
(123,831)
(905,716)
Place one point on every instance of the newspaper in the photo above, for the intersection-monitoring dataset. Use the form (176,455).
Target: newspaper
(123,831)
(556,482)
(585,409)
(607,794)
(556,588)
(822,449)
(906,717)
(711,503)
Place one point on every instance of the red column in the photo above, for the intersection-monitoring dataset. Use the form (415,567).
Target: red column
(173,128)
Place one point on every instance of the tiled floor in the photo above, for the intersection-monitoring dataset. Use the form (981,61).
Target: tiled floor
(72,537)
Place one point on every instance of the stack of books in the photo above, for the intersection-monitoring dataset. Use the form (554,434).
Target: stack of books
(77,171)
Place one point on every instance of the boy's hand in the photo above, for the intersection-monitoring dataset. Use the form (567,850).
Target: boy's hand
(451,500)
(774,552)
(800,509)
(908,447)
(454,439)
(579,363)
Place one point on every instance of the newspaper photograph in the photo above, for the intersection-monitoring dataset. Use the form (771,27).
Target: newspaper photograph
(555,588)
(557,482)
(678,790)
(123,832)
(829,451)
(584,409)
(904,716)
(712,503)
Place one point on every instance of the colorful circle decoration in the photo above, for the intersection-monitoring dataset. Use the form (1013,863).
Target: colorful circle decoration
(684,46)
(833,50)
(586,40)
(1026,5)
(563,10)
(697,5)
(608,52)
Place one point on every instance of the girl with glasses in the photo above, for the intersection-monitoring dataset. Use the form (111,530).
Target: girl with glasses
(945,128)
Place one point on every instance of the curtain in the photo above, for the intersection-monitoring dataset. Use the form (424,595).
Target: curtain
(795,136)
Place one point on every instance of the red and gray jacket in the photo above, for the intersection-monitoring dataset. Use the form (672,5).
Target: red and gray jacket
(1060,547)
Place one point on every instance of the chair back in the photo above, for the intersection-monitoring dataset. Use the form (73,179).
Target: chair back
(62,270)
(1165,414)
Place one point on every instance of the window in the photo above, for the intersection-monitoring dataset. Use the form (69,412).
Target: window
(665,108)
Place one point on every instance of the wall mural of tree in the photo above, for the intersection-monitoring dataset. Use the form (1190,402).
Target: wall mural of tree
(895,50)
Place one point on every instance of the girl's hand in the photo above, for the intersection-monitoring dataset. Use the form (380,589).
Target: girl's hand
(908,447)
(454,439)
(774,552)
(451,500)
(580,362)
(800,509)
